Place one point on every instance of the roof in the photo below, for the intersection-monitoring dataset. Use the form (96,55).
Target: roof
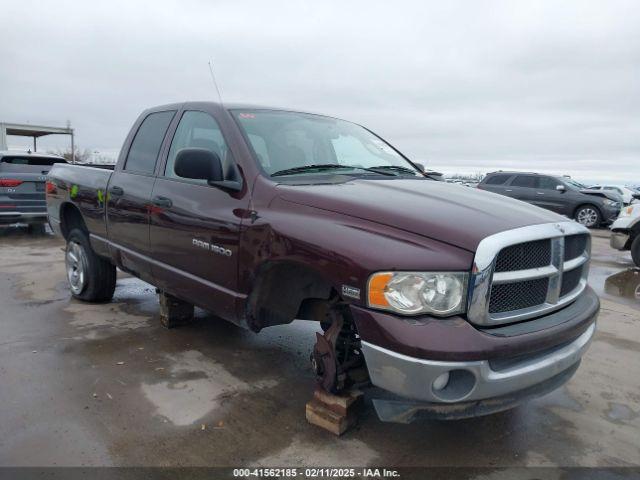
(515,172)
(19,153)
(25,130)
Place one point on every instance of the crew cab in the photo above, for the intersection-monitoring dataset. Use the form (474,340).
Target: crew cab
(446,302)
(22,184)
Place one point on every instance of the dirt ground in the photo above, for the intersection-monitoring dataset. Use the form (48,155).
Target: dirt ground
(105,384)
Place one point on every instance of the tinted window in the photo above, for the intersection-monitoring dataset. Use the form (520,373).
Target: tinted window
(145,147)
(46,161)
(199,130)
(547,183)
(528,181)
(497,179)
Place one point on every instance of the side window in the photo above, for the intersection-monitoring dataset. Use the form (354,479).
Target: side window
(199,130)
(497,179)
(547,183)
(528,181)
(145,147)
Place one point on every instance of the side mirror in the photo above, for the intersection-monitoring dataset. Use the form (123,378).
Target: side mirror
(199,164)
(561,188)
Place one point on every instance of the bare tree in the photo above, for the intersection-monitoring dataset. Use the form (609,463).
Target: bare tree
(81,156)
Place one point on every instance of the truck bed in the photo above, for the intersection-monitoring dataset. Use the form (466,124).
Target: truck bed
(83,185)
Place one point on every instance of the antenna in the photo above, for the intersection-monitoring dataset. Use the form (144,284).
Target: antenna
(213,78)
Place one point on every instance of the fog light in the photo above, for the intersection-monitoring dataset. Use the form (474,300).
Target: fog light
(441,381)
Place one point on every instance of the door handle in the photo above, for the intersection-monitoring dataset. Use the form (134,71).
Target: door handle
(115,190)
(540,193)
(508,190)
(162,202)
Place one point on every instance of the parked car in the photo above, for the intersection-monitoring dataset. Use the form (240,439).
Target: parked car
(558,194)
(628,195)
(22,187)
(625,232)
(452,302)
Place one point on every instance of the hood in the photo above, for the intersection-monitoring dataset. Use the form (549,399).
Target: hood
(604,194)
(453,214)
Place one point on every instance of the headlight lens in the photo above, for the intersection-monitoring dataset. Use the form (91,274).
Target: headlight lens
(412,293)
(626,211)
(611,203)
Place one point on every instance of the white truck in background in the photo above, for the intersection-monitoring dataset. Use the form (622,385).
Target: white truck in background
(625,231)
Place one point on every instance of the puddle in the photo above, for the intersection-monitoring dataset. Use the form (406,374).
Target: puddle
(624,284)
(197,386)
(620,413)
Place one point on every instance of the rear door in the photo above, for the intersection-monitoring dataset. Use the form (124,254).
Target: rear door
(22,184)
(496,183)
(195,228)
(522,187)
(129,193)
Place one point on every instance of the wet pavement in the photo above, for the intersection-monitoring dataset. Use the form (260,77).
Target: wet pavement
(105,384)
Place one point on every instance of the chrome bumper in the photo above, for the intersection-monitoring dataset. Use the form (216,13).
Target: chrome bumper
(413,378)
(618,240)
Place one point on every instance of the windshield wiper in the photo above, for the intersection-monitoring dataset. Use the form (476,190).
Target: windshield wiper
(395,168)
(325,166)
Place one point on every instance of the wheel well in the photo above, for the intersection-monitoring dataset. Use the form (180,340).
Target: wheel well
(70,218)
(286,291)
(593,205)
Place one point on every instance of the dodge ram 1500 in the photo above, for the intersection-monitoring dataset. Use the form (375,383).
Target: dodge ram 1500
(447,302)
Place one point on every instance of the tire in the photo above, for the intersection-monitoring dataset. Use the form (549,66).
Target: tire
(635,250)
(91,278)
(588,215)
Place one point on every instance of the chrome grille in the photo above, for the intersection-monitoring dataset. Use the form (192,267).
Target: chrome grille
(515,296)
(524,255)
(527,272)
(575,245)
(570,281)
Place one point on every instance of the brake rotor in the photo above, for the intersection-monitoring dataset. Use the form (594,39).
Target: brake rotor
(324,360)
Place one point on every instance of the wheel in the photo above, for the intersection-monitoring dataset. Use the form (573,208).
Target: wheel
(91,278)
(588,215)
(635,250)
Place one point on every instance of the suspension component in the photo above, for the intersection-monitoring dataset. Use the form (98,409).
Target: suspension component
(336,358)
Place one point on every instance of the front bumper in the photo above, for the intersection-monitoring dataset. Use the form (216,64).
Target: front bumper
(489,370)
(413,378)
(618,240)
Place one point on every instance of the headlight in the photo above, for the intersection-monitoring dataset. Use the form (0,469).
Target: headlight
(413,293)
(611,203)
(626,212)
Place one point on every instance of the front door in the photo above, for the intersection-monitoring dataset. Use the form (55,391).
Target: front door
(195,228)
(549,197)
(129,193)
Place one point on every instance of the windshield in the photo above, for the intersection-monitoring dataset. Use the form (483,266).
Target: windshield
(573,184)
(290,143)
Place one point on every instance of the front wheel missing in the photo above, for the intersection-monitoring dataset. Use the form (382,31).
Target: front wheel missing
(336,359)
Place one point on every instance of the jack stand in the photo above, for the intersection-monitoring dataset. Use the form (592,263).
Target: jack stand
(173,311)
(334,413)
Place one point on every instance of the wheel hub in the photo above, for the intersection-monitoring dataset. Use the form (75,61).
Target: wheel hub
(76,264)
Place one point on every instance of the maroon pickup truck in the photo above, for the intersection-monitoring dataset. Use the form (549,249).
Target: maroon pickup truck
(447,302)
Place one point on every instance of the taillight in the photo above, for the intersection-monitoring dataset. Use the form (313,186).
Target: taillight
(8,182)
(50,187)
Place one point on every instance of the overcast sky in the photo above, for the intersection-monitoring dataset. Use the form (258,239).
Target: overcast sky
(461,86)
